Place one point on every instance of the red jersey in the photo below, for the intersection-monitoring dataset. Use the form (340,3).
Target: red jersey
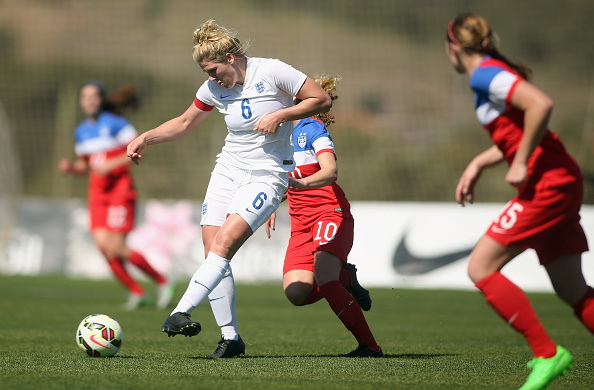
(545,214)
(550,165)
(98,141)
(311,138)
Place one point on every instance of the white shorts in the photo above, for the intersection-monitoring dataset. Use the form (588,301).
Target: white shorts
(253,195)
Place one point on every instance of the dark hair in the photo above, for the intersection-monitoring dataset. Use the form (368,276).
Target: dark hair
(122,100)
(472,32)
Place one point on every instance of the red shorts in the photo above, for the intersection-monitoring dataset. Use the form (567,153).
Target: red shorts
(548,221)
(116,215)
(332,232)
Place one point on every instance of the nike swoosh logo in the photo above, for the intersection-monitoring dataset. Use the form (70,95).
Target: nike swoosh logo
(249,211)
(224,96)
(407,264)
(92,338)
(197,282)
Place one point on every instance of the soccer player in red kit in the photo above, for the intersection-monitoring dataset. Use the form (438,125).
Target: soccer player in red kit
(100,146)
(322,230)
(544,215)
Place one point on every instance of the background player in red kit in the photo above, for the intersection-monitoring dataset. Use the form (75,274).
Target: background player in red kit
(100,146)
(545,213)
(322,231)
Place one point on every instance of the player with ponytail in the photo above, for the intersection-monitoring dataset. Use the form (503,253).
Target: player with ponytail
(322,231)
(544,215)
(100,146)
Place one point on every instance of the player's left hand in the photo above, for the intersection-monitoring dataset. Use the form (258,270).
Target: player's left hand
(268,124)
(296,184)
(517,174)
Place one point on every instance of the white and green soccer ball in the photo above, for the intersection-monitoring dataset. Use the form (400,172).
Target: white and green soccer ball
(99,335)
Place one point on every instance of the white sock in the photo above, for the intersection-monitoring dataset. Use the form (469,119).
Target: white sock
(222,302)
(206,278)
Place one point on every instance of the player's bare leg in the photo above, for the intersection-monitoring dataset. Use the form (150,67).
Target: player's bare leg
(113,248)
(568,281)
(298,285)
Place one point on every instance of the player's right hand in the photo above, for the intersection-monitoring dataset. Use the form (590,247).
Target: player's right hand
(465,188)
(135,149)
(270,224)
(65,165)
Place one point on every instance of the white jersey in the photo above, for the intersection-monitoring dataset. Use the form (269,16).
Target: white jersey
(269,86)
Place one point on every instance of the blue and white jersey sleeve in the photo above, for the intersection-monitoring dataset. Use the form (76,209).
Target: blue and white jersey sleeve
(492,86)
(107,133)
(311,138)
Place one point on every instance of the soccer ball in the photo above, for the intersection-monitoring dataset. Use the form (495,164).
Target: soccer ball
(99,335)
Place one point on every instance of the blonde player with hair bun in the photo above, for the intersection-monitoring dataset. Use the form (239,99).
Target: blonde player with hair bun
(544,215)
(322,231)
(255,96)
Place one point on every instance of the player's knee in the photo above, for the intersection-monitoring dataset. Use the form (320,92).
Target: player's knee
(104,247)
(297,293)
(111,249)
(226,243)
(475,271)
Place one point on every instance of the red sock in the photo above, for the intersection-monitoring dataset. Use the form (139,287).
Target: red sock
(345,278)
(314,296)
(584,309)
(349,312)
(513,305)
(123,276)
(138,260)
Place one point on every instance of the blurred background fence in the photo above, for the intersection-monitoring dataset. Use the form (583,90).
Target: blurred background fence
(405,126)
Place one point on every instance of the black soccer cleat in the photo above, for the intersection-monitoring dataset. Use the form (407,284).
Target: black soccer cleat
(228,349)
(360,294)
(180,323)
(363,351)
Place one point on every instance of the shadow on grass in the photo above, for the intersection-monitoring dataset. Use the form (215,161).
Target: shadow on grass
(386,356)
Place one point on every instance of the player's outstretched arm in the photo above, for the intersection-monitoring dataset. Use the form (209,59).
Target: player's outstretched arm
(168,131)
(77,167)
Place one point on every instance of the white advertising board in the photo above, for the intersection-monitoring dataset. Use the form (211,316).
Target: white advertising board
(397,244)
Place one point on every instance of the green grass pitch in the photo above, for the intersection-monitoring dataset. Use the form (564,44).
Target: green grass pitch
(432,340)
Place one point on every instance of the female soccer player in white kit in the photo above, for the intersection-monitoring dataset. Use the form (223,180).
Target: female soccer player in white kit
(255,95)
